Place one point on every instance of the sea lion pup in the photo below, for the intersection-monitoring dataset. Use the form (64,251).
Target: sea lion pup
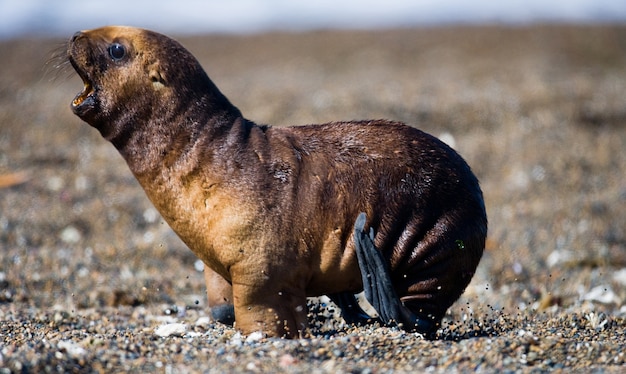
(279,214)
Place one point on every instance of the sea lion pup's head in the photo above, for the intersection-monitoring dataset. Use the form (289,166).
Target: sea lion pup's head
(134,78)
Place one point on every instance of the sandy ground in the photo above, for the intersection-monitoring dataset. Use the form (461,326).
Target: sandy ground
(89,273)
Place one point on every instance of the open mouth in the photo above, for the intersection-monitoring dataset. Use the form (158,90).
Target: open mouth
(88,88)
(80,98)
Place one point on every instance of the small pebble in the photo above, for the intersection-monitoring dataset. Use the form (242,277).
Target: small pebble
(198,265)
(70,235)
(254,337)
(72,348)
(286,361)
(203,322)
(171,329)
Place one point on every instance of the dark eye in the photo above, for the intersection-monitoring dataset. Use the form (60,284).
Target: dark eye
(117,51)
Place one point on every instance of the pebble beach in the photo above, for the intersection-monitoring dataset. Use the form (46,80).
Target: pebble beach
(93,281)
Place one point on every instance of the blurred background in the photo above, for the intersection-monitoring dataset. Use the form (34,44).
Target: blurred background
(44,17)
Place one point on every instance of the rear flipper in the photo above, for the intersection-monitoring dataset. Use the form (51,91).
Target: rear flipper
(377,284)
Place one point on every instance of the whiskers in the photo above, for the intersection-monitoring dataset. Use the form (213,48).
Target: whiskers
(57,65)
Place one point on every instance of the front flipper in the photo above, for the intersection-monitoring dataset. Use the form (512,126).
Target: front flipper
(351,312)
(219,297)
(224,313)
(377,284)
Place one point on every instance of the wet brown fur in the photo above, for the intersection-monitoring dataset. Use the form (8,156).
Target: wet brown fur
(270,211)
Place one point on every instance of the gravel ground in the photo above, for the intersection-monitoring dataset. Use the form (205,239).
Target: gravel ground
(92,279)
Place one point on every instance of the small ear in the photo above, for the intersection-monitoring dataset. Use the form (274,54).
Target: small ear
(157,79)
